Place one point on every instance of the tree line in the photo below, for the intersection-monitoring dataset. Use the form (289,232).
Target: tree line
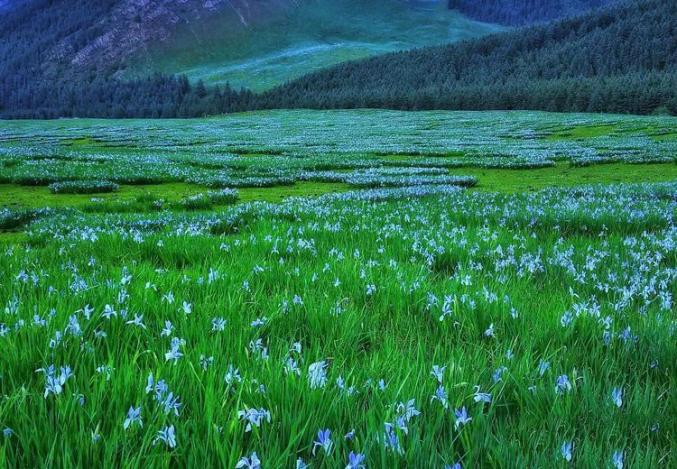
(521,12)
(39,39)
(158,96)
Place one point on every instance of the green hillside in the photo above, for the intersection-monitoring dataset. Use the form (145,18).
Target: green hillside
(303,39)
(619,59)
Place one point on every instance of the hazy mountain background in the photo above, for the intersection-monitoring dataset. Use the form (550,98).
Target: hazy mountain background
(262,50)
(252,43)
(169,58)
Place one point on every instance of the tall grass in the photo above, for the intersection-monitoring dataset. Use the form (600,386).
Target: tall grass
(335,312)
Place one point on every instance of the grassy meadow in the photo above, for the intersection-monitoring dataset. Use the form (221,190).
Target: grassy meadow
(339,289)
(291,43)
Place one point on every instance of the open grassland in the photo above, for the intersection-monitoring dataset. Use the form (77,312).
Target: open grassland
(19,197)
(269,156)
(358,288)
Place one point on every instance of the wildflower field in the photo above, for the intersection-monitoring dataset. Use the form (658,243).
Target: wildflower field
(339,289)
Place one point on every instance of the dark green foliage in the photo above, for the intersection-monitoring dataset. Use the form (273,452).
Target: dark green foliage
(33,180)
(233,223)
(621,59)
(519,12)
(13,219)
(154,97)
(244,181)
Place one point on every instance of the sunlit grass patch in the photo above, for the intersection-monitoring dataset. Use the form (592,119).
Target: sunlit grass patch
(582,132)
(563,175)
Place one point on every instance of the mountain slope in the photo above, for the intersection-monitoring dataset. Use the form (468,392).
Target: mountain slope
(251,43)
(74,36)
(620,59)
(83,58)
(521,12)
(99,59)
(302,38)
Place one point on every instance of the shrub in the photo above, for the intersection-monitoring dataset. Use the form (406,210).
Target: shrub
(83,187)
(9,163)
(374,181)
(196,202)
(34,180)
(224,196)
(245,181)
(12,219)
(206,201)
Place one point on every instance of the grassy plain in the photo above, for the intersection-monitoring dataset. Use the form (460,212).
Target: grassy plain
(492,180)
(527,321)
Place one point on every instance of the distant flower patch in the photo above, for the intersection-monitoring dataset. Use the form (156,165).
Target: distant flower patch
(206,201)
(373,181)
(245,181)
(83,187)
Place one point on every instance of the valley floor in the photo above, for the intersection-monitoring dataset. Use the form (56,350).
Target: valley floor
(277,154)
(360,288)
(20,197)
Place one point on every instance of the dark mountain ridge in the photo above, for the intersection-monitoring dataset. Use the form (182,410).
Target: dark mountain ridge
(73,36)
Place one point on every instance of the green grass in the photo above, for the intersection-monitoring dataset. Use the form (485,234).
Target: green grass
(562,175)
(565,265)
(84,142)
(583,132)
(492,180)
(329,254)
(26,197)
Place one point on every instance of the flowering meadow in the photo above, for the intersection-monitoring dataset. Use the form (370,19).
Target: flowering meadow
(412,315)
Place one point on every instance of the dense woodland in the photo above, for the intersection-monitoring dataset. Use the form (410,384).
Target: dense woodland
(521,12)
(38,37)
(622,58)
(154,97)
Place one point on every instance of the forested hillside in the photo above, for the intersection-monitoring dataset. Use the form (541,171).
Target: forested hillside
(81,35)
(521,12)
(60,58)
(54,53)
(620,59)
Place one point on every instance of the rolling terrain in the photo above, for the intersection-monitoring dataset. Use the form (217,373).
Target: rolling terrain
(190,58)
(339,289)
(313,35)
(255,44)
(619,59)
(112,50)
